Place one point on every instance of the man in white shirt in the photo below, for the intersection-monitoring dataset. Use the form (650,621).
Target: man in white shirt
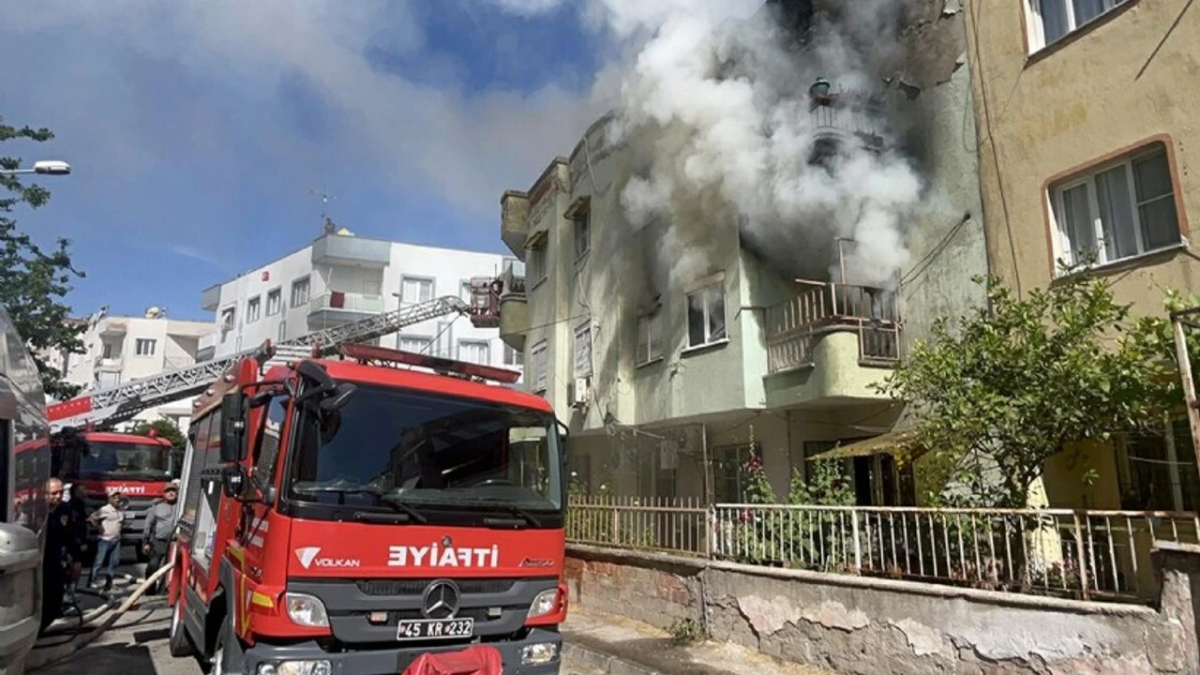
(109,519)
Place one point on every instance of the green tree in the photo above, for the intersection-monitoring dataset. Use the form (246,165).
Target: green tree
(33,281)
(164,428)
(1005,389)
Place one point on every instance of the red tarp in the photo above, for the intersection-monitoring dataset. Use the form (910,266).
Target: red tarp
(472,661)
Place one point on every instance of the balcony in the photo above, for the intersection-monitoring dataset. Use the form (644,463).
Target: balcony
(795,327)
(338,307)
(206,347)
(108,365)
(514,221)
(514,308)
(350,251)
(841,118)
(210,298)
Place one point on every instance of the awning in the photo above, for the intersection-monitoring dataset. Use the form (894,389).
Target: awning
(536,238)
(903,445)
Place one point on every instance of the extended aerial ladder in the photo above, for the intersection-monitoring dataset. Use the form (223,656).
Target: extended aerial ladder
(107,406)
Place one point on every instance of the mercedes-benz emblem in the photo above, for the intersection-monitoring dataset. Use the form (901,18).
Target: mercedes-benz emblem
(440,600)
(447,542)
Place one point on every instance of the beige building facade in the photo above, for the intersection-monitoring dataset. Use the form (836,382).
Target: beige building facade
(1087,115)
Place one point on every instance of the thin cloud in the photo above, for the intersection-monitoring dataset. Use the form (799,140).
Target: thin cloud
(196,254)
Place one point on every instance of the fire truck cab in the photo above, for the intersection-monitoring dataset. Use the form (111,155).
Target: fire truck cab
(356,516)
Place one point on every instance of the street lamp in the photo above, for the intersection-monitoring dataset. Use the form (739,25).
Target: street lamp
(48,167)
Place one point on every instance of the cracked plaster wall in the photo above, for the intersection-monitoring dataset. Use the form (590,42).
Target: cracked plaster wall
(883,627)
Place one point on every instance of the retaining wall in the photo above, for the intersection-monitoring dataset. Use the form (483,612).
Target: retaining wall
(868,626)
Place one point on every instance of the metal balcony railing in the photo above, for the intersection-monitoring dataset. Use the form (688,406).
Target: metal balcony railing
(340,301)
(872,313)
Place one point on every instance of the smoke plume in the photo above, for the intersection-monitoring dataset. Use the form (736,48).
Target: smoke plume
(716,99)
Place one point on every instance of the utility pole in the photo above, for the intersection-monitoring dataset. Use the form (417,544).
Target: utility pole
(1178,321)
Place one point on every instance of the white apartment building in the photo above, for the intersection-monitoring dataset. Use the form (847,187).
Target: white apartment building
(122,348)
(340,278)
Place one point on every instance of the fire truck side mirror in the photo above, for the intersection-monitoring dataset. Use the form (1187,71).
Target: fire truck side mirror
(233,423)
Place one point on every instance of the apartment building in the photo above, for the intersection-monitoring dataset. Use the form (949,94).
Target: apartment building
(670,387)
(1087,123)
(122,348)
(340,278)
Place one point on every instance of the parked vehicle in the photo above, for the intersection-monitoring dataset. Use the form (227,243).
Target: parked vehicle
(23,430)
(351,516)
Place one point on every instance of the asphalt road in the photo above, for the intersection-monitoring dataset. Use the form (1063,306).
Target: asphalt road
(137,645)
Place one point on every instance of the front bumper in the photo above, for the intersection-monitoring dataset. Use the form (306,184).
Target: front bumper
(395,661)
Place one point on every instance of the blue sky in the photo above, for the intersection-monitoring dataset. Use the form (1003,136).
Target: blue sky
(196,130)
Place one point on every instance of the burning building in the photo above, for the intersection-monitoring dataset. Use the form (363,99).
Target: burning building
(726,263)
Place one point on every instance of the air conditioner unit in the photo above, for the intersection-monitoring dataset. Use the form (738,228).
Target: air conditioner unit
(581,392)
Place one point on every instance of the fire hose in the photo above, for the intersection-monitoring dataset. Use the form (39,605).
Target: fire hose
(42,658)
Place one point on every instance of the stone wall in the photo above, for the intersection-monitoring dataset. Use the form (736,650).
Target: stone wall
(868,626)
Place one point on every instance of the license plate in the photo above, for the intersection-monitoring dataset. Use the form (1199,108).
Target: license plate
(130,516)
(435,629)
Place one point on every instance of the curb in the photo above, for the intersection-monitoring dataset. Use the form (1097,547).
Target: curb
(605,663)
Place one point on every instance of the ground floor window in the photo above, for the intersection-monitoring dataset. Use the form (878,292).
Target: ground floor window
(1157,472)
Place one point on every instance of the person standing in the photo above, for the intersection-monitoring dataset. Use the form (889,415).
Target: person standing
(60,561)
(160,529)
(109,519)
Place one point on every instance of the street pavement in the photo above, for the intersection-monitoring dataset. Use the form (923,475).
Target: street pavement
(137,643)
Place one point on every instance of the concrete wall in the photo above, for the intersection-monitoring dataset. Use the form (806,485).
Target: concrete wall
(868,626)
(1044,113)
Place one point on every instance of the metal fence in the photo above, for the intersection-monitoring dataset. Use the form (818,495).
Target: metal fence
(1103,555)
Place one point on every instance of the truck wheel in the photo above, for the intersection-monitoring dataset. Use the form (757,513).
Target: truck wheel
(179,643)
(216,664)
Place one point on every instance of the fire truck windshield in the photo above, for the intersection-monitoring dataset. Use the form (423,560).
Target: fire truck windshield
(124,460)
(401,449)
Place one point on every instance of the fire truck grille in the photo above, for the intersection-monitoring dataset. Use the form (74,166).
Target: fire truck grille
(418,586)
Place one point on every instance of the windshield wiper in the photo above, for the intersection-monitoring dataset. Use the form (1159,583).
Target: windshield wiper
(401,505)
(525,516)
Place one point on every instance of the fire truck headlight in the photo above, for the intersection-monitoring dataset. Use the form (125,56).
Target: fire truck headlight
(306,610)
(543,604)
(296,668)
(541,653)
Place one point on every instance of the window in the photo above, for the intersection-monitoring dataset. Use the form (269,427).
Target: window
(706,315)
(583,234)
(300,292)
(1157,472)
(108,350)
(274,302)
(228,318)
(1052,19)
(513,357)
(540,374)
(537,264)
(729,471)
(415,289)
(268,447)
(475,351)
(415,343)
(253,309)
(650,338)
(583,350)
(464,292)
(1118,211)
(145,347)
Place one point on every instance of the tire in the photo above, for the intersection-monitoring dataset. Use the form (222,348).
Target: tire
(179,643)
(215,664)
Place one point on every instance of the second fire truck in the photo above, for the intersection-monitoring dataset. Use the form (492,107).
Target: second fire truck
(360,517)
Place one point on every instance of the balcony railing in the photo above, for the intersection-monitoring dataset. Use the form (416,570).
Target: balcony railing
(1083,554)
(110,364)
(872,313)
(339,301)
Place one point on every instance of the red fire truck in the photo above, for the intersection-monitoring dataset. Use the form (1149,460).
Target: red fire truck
(359,516)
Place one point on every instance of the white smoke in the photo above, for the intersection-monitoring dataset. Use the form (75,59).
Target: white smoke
(721,109)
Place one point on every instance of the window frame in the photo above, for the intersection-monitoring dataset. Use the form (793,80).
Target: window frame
(649,321)
(701,288)
(427,339)
(1035,25)
(514,357)
(477,342)
(1057,187)
(277,294)
(539,356)
(581,233)
(538,252)
(254,309)
(405,278)
(582,330)
(137,346)
(304,282)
